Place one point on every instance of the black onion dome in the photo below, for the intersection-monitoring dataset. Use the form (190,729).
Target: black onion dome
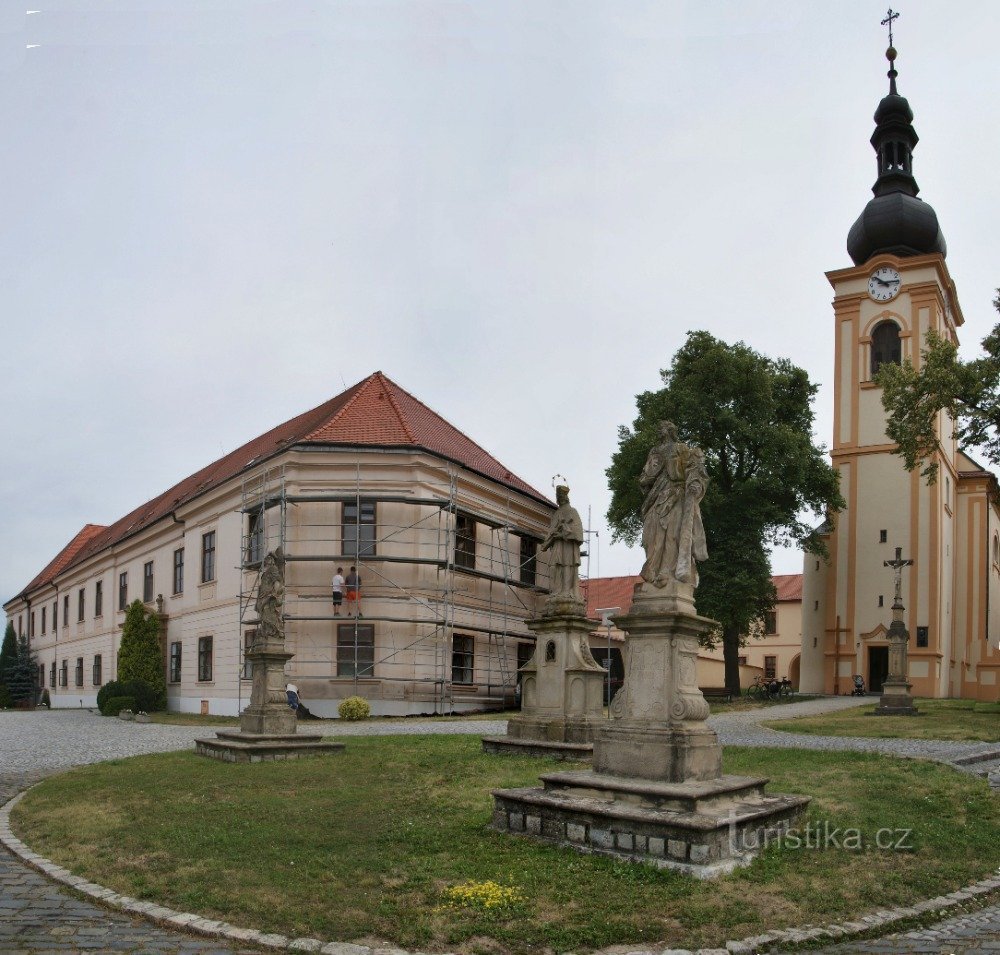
(895,220)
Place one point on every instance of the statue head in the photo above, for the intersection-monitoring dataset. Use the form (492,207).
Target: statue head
(668,431)
(562,495)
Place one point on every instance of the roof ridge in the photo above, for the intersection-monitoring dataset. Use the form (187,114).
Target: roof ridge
(387,382)
(359,389)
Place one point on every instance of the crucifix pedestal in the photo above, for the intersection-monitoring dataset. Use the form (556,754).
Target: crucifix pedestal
(896,699)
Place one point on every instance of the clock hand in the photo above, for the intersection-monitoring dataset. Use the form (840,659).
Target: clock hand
(880,282)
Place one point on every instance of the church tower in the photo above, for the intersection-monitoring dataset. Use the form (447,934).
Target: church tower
(884,306)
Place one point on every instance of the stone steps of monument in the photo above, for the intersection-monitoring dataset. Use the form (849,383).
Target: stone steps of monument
(986,765)
(694,796)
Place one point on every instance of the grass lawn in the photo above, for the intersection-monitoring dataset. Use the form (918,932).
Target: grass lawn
(364,845)
(939,719)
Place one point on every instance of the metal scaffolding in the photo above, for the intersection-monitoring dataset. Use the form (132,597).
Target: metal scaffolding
(423,584)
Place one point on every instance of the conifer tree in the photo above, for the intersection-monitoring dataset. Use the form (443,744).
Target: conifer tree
(8,653)
(140,657)
(21,674)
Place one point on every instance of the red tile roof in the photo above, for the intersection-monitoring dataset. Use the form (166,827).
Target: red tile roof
(66,556)
(788,586)
(374,413)
(617,591)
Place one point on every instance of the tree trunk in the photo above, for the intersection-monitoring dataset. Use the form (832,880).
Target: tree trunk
(731,657)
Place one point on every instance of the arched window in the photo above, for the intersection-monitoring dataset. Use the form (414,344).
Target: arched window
(886,348)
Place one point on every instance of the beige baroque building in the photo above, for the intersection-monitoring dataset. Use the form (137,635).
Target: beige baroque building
(897,292)
(444,537)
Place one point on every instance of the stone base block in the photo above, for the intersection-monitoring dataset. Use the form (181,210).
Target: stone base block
(269,720)
(508,745)
(884,709)
(238,747)
(704,829)
(555,729)
(638,749)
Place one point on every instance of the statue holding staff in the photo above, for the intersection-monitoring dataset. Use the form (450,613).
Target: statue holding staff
(564,539)
(271,598)
(674,481)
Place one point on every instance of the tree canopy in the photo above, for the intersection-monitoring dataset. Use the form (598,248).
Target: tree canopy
(967,391)
(752,417)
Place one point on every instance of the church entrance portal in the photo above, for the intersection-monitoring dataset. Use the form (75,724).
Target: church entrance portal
(878,668)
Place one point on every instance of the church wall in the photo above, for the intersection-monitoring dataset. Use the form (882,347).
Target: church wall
(815,577)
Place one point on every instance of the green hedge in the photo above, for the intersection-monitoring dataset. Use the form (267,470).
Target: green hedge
(113,705)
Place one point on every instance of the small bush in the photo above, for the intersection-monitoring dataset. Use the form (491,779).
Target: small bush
(354,708)
(110,689)
(113,705)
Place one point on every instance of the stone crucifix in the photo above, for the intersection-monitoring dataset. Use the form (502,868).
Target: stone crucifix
(898,564)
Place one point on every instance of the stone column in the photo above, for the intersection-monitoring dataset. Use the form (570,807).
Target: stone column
(268,712)
(659,729)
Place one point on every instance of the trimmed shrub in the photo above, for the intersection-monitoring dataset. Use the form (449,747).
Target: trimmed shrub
(354,708)
(110,689)
(140,657)
(113,705)
(146,697)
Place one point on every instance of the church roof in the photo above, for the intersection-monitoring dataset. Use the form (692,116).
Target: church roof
(374,413)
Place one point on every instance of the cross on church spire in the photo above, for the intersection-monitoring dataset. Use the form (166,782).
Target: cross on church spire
(898,564)
(892,15)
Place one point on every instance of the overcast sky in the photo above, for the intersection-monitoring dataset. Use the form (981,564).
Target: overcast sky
(216,215)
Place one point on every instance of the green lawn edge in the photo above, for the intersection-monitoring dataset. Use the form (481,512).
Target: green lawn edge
(361,847)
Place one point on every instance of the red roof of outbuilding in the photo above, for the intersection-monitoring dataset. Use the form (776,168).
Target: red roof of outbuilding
(66,556)
(617,591)
(374,413)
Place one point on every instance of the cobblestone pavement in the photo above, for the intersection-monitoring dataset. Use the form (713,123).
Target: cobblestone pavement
(38,917)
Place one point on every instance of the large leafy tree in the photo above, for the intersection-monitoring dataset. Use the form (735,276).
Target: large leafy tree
(140,656)
(967,391)
(752,416)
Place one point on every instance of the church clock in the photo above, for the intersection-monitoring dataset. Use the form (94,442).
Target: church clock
(883,284)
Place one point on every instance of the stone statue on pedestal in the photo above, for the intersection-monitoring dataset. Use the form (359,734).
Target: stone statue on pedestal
(270,600)
(564,540)
(674,481)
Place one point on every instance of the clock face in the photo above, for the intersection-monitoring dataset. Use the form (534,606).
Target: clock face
(883,284)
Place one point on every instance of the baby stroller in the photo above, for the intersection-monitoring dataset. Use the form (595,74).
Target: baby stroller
(859,686)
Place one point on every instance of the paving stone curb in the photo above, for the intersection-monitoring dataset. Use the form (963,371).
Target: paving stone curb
(192,922)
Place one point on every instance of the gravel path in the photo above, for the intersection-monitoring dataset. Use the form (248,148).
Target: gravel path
(38,917)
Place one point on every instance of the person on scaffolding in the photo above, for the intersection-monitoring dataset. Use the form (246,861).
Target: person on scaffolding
(353,584)
(338,590)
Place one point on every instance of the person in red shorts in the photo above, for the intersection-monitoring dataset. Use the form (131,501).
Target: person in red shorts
(353,584)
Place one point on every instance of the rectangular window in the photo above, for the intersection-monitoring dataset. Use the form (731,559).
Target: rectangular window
(770,667)
(65,610)
(462,658)
(770,623)
(742,661)
(208,557)
(147,582)
(249,639)
(95,677)
(52,675)
(43,619)
(881,600)
(255,537)
(204,659)
(359,528)
(465,541)
(923,636)
(31,625)
(20,625)
(40,676)
(99,598)
(81,599)
(78,674)
(55,615)
(883,536)
(175,662)
(355,650)
(529,560)
(64,673)
(179,570)
(123,590)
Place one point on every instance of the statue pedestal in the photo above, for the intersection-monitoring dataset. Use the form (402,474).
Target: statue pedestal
(896,699)
(268,725)
(656,793)
(562,690)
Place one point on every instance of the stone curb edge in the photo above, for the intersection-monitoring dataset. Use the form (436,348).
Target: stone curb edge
(191,922)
